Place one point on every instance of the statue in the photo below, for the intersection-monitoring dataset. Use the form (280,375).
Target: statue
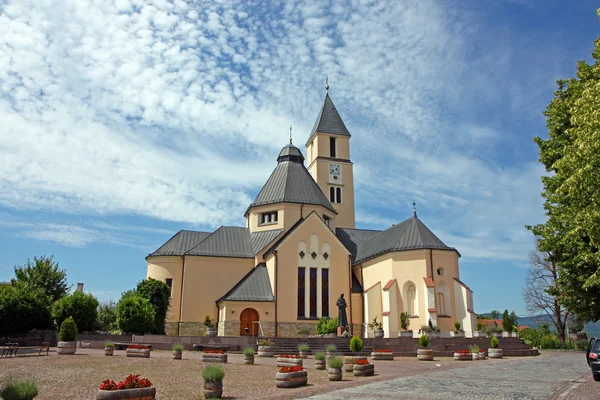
(342,318)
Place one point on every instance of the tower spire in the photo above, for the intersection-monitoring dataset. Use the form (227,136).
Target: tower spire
(290,134)
(414,208)
(327,84)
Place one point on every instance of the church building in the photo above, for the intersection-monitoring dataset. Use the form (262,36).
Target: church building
(300,250)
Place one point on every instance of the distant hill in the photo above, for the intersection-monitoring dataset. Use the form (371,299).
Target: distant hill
(592,329)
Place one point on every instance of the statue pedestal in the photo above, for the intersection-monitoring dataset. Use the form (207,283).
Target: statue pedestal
(341,330)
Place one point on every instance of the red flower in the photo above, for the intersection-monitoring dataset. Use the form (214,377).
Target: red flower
(131,382)
(214,352)
(137,346)
(383,351)
(291,369)
(288,356)
(463,352)
(361,362)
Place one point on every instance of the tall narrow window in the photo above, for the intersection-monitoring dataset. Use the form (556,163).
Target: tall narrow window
(332,194)
(338,196)
(325,289)
(332,146)
(410,300)
(313,293)
(301,291)
(327,220)
(169,283)
(441,304)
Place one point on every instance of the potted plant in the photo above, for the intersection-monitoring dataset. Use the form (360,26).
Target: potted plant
(19,390)
(462,355)
(424,353)
(457,332)
(382,355)
(377,328)
(330,349)
(479,332)
(266,348)
(405,324)
(334,370)
(213,381)
(177,351)
(303,350)
(249,355)
(138,351)
(474,351)
(291,377)
(433,330)
(66,337)
(494,351)
(481,354)
(289,360)
(132,387)
(211,326)
(363,368)
(109,348)
(217,356)
(320,360)
(356,345)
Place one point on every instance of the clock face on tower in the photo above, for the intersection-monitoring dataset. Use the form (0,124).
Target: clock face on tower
(335,173)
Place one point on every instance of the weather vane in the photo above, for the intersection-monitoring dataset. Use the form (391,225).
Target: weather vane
(327,84)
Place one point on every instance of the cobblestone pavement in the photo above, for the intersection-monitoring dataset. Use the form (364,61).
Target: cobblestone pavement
(515,378)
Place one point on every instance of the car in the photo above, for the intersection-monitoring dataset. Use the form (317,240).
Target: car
(593,357)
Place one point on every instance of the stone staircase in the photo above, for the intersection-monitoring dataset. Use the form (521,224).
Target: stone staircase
(289,345)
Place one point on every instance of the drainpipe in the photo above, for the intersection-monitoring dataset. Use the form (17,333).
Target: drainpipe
(431,261)
(275,290)
(181,296)
(362,296)
(350,297)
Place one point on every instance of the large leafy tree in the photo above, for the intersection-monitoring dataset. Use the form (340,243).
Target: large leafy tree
(23,308)
(571,155)
(135,314)
(43,273)
(82,307)
(157,293)
(107,317)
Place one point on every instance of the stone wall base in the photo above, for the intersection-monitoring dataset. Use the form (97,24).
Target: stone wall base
(292,329)
(192,329)
(171,328)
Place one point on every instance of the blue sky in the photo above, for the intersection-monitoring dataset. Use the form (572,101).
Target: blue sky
(125,121)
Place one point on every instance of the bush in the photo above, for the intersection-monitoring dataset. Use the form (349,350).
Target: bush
(213,373)
(266,342)
(81,306)
(424,341)
(425,328)
(479,326)
(530,336)
(19,390)
(178,347)
(549,342)
(303,347)
(327,325)
(158,294)
(249,351)
(335,362)
(495,342)
(210,322)
(135,314)
(456,326)
(68,330)
(319,356)
(356,344)
(404,321)
(331,348)
(107,317)
(23,308)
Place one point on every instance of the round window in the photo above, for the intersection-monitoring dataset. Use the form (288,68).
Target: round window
(440,271)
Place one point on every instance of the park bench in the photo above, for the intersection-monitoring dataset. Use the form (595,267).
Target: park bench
(12,345)
(9,349)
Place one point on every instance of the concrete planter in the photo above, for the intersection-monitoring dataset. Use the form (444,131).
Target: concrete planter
(459,334)
(133,394)
(266,351)
(463,357)
(495,353)
(249,360)
(363,370)
(506,334)
(433,334)
(211,332)
(303,354)
(425,354)
(289,362)
(320,364)
(138,353)
(66,347)
(382,356)
(482,355)
(349,362)
(212,357)
(213,390)
(291,379)
(330,354)
(378,333)
(109,351)
(479,334)
(335,374)
(405,334)
(475,356)
(177,354)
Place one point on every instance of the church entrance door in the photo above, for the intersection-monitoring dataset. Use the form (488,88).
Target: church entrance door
(247,318)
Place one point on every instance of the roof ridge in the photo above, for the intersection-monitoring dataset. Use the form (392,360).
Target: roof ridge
(202,241)
(241,281)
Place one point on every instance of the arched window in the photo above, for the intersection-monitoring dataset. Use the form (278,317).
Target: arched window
(441,304)
(339,195)
(332,194)
(410,300)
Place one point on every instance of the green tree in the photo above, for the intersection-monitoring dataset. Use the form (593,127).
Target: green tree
(81,306)
(23,308)
(135,314)
(571,155)
(43,273)
(107,317)
(158,294)
(495,314)
(506,323)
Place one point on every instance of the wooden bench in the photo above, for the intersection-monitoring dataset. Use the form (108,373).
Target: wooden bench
(12,345)
(9,349)
(124,346)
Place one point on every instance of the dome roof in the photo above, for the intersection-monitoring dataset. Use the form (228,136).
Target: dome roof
(290,153)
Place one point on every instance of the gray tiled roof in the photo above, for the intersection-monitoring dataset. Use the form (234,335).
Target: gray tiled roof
(328,121)
(410,234)
(181,242)
(255,286)
(227,241)
(263,238)
(290,153)
(291,182)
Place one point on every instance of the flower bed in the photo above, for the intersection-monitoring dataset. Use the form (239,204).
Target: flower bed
(378,355)
(133,387)
(218,356)
(290,377)
(349,362)
(136,350)
(363,368)
(463,355)
(285,360)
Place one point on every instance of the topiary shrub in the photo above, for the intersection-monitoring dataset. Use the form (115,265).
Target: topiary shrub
(319,356)
(19,390)
(424,341)
(550,342)
(335,362)
(356,344)
(213,373)
(495,343)
(456,326)
(68,330)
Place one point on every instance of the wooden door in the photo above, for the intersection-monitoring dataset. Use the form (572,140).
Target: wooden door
(247,318)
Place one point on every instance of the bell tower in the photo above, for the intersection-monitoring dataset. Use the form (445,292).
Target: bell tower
(328,150)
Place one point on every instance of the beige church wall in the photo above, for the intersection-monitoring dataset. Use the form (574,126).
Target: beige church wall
(463,315)
(357,313)
(323,148)
(448,260)
(206,279)
(345,217)
(161,268)
(373,304)
(230,312)
(288,215)
(314,235)
(252,219)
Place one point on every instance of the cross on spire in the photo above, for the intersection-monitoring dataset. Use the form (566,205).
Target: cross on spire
(290,134)
(327,84)
(414,208)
